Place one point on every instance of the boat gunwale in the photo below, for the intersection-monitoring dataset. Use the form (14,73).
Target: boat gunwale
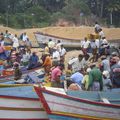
(18,98)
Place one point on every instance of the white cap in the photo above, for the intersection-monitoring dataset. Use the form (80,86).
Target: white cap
(88,70)
(106,74)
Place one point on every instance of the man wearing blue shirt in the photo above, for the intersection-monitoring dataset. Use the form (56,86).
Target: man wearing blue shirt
(77,77)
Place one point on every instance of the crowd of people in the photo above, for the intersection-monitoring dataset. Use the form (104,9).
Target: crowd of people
(15,52)
(95,68)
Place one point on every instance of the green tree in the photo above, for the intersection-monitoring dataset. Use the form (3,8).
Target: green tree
(113,6)
(75,8)
(36,15)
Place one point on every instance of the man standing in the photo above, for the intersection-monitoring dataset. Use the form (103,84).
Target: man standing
(51,45)
(24,37)
(95,79)
(56,55)
(97,27)
(105,64)
(86,45)
(62,54)
(15,42)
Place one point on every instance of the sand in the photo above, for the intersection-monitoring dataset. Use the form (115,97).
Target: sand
(65,32)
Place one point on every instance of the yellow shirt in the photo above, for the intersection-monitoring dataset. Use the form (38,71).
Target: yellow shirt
(46,49)
(86,81)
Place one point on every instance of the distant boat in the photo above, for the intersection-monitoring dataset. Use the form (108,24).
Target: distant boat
(43,38)
(20,102)
(64,107)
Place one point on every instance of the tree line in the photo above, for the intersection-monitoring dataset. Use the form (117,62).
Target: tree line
(42,13)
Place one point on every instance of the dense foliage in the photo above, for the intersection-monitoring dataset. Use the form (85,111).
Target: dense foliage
(41,13)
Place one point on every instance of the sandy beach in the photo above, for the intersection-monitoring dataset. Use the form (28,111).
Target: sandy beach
(65,32)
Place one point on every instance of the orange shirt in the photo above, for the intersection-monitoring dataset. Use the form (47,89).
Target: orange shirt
(48,61)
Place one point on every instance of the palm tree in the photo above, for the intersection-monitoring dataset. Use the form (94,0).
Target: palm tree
(113,6)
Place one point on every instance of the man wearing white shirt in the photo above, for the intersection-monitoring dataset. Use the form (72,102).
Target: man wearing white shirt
(77,63)
(25,58)
(2,42)
(105,45)
(51,45)
(24,37)
(58,46)
(86,46)
(56,55)
(97,42)
(15,42)
(82,43)
(101,34)
(62,53)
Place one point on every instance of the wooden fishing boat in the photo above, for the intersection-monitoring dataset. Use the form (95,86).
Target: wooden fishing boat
(61,107)
(20,102)
(43,38)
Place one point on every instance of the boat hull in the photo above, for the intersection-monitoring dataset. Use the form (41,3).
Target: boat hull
(44,38)
(59,105)
(20,103)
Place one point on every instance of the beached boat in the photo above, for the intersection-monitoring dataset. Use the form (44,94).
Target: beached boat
(62,107)
(43,38)
(20,102)
(10,77)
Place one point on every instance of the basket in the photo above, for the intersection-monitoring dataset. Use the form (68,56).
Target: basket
(8,47)
(8,72)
